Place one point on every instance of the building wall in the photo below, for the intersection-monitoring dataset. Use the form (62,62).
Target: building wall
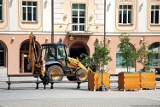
(13,27)
(13,32)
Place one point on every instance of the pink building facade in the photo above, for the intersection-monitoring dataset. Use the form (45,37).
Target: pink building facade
(77,24)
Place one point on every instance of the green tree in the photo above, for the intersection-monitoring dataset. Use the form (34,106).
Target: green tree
(144,56)
(128,52)
(100,57)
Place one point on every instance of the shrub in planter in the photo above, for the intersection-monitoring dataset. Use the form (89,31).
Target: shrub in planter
(128,81)
(147,78)
(97,63)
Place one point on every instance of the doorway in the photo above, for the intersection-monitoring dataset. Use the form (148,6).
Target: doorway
(24,51)
(2,55)
(77,50)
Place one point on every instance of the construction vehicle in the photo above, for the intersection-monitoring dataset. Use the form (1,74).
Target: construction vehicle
(53,63)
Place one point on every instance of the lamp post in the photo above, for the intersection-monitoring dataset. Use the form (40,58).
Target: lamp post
(103,87)
(104,22)
(52,21)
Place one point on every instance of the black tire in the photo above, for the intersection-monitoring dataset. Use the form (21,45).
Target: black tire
(83,75)
(71,78)
(55,69)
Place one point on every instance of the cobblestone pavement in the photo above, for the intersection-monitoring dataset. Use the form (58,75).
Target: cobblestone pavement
(66,95)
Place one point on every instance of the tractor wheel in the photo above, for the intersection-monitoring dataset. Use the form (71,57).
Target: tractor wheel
(71,78)
(83,75)
(55,69)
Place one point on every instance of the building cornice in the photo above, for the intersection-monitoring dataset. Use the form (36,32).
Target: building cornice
(93,34)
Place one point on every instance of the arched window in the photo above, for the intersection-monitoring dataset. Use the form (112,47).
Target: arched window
(155,48)
(119,60)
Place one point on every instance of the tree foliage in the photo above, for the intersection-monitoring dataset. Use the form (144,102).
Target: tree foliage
(100,57)
(144,56)
(128,52)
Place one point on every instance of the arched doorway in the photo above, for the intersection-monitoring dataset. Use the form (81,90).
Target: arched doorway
(78,49)
(24,51)
(2,54)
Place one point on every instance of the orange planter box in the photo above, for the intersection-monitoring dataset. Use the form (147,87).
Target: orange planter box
(94,80)
(129,81)
(148,80)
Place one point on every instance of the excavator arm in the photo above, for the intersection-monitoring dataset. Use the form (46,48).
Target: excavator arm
(33,57)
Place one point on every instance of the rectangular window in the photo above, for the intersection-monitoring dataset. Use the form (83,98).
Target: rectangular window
(125,14)
(1,10)
(155,14)
(29,10)
(78,17)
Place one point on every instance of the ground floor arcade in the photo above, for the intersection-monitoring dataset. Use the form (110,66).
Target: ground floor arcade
(14,49)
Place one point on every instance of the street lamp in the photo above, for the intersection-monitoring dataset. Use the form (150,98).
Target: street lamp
(104,22)
(52,21)
(103,87)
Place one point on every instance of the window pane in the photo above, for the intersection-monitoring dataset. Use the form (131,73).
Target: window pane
(120,16)
(156,7)
(81,27)
(74,6)
(82,13)
(29,3)
(157,17)
(34,3)
(129,6)
(29,14)
(74,20)
(82,6)
(0,14)
(82,20)
(23,3)
(24,13)
(34,14)
(120,7)
(74,27)
(124,16)
(124,6)
(0,2)
(152,17)
(74,13)
(152,7)
(0,9)
(129,16)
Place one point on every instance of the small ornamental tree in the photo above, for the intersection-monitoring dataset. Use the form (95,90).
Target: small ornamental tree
(128,53)
(144,56)
(100,57)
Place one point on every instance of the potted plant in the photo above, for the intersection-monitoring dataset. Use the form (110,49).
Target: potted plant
(128,80)
(99,76)
(147,77)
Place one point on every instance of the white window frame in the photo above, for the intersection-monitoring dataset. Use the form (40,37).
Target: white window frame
(78,24)
(1,5)
(32,11)
(154,12)
(122,12)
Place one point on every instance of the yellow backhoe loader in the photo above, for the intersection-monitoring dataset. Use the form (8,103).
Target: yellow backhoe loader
(53,63)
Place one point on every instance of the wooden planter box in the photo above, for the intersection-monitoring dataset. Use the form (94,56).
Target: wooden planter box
(129,81)
(94,80)
(148,80)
